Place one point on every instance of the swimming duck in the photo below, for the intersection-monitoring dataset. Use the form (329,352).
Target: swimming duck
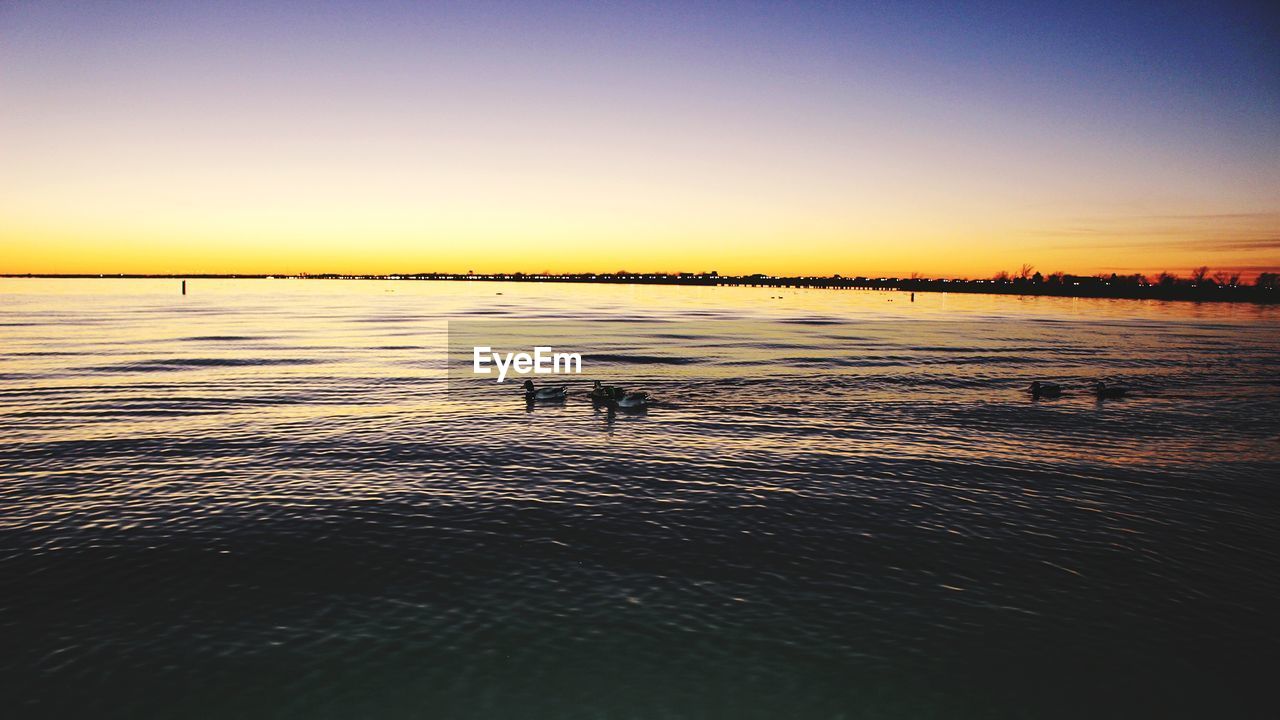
(1104,391)
(1045,389)
(602,393)
(624,400)
(547,393)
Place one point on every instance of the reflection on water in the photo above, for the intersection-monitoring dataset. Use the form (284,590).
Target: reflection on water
(264,499)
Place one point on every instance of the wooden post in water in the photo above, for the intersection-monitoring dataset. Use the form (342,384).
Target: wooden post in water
(184,287)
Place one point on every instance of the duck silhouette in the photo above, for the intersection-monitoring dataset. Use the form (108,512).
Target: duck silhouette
(546,394)
(602,393)
(1044,390)
(1105,391)
(631,400)
(619,398)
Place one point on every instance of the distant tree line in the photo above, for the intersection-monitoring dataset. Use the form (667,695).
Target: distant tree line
(1200,285)
(1199,277)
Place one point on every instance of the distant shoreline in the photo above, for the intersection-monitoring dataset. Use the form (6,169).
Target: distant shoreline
(1071,286)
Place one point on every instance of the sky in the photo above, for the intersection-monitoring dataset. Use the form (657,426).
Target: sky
(877,138)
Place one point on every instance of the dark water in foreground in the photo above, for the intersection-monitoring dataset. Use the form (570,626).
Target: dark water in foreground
(264,500)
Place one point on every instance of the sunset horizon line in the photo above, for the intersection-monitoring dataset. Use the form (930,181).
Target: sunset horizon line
(1243,273)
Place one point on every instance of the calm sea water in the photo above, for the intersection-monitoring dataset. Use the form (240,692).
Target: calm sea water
(265,499)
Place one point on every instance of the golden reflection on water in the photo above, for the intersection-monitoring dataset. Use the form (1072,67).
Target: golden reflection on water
(323,358)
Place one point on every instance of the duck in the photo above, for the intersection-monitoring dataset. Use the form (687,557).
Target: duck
(624,400)
(547,394)
(602,393)
(1104,391)
(1045,389)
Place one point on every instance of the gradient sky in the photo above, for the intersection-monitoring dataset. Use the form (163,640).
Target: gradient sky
(786,138)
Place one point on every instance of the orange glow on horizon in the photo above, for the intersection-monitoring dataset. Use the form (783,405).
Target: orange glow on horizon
(483,249)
